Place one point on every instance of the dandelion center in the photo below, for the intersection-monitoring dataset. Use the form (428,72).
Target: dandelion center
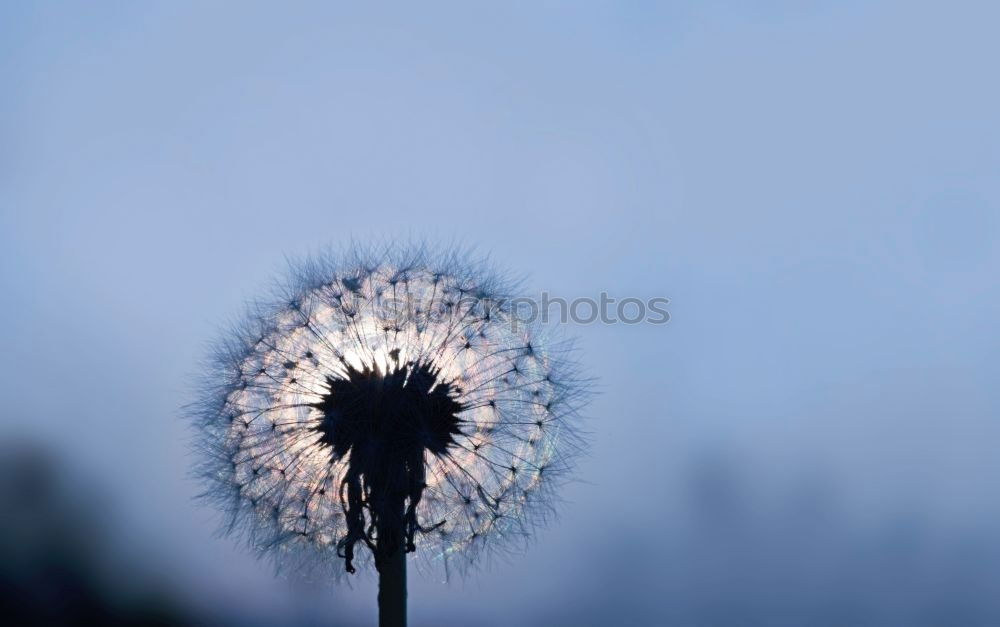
(382,419)
(383,422)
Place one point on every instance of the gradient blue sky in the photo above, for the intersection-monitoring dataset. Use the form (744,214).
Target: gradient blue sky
(813,185)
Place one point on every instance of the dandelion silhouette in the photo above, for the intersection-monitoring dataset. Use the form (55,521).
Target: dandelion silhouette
(388,402)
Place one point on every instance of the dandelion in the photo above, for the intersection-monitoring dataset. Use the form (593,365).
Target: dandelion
(386,404)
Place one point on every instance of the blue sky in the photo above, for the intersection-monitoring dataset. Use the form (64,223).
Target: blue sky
(812,184)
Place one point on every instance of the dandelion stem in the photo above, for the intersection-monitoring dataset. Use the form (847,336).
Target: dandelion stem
(391,565)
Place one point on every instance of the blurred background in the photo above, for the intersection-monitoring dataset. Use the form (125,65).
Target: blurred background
(811,441)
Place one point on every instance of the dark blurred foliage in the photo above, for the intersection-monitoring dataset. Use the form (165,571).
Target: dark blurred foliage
(736,552)
(742,552)
(57,564)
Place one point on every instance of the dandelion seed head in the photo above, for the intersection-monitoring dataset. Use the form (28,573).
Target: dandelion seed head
(380,380)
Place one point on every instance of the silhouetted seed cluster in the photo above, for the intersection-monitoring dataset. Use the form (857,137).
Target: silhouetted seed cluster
(384,390)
